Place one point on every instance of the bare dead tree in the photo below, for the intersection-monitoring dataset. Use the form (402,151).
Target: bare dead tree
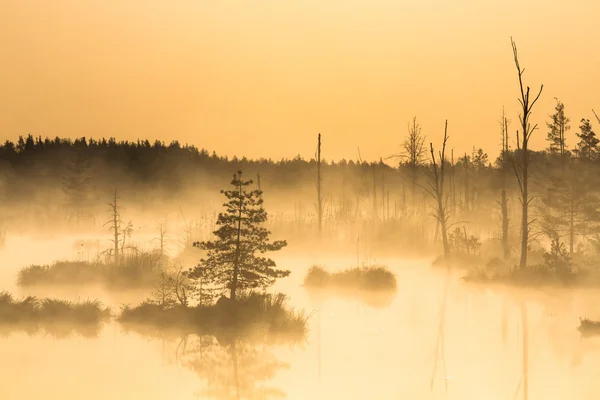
(413,156)
(467,166)
(504,154)
(374,192)
(180,285)
(319,197)
(436,174)
(161,239)
(596,115)
(521,165)
(126,233)
(115,227)
(382,195)
(453,181)
(504,123)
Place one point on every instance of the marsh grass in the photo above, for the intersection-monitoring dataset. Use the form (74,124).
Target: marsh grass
(53,316)
(140,269)
(588,327)
(534,275)
(251,313)
(369,278)
(374,285)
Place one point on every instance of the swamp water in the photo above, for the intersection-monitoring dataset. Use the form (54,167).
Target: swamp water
(353,351)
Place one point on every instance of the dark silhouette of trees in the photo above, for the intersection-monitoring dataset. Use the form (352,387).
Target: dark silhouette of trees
(76,186)
(570,204)
(232,262)
(523,159)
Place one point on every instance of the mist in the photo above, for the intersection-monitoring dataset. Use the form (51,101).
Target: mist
(198,209)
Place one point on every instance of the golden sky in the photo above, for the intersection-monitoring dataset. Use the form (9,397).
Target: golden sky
(262,78)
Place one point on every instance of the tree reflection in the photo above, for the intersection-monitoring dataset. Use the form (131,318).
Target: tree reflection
(231,368)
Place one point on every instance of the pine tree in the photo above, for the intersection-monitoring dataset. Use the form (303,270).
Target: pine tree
(232,262)
(558,126)
(587,148)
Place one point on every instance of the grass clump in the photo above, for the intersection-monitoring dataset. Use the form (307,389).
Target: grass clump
(141,269)
(375,285)
(368,278)
(250,313)
(588,327)
(54,316)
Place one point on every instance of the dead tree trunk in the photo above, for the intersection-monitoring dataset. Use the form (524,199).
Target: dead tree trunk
(319,198)
(504,208)
(436,175)
(374,194)
(596,115)
(521,166)
(115,222)
(503,198)
(452,182)
(467,191)
(161,238)
(382,196)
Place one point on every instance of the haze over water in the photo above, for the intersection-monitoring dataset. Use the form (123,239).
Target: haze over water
(353,351)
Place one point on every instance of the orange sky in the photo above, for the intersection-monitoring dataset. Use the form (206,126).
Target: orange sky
(262,78)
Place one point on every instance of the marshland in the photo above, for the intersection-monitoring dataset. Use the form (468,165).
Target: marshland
(363,200)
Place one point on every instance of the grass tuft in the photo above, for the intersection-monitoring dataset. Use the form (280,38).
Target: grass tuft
(374,285)
(141,269)
(368,278)
(50,315)
(588,327)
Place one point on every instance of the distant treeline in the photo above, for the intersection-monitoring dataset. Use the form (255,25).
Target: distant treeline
(53,177)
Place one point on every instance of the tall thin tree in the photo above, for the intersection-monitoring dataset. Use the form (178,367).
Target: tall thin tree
(521,166)
(115,227)
(319,197)
(436,178)
(504,154)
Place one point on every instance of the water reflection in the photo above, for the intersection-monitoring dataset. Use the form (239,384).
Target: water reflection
(238,369)
(354,351)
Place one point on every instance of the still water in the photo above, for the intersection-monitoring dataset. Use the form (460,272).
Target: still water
(440,338)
